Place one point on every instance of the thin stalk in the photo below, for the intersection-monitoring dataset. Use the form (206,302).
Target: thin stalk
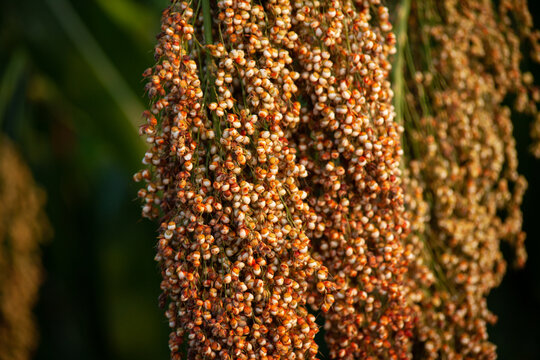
(210,90)
(398,72)
(409,118)
(207,22)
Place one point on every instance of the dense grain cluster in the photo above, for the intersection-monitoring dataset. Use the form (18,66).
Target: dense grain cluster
(463,188)
(276,171)
(232,246)
(350,145)
(22,227)
(223,176)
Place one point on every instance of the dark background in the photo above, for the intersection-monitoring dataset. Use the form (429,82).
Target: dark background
(71,96)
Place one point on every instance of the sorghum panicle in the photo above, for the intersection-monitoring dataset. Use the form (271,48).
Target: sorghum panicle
(463,188)
(282,132)
(23,226)
(350,145)
(232,247)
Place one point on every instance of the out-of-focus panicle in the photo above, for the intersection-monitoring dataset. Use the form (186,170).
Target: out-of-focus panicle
(516,28)
(350,145)
(224,182)
(463,191)
(23,226)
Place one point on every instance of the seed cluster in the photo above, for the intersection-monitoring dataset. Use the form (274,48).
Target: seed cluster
(23,226)
(350,145)
(233,250)
(463,191)
(277,173)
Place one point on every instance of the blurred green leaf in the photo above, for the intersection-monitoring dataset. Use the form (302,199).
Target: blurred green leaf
(98,60)
(135,18)
(12,74)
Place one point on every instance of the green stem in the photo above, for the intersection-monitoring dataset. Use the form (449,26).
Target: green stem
(207,22)
(407,115)
(398,73)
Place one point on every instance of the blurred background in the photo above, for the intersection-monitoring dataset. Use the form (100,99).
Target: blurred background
(71,96)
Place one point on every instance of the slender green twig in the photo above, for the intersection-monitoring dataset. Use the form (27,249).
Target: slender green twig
(207,22)
(397,73)
(407,114)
